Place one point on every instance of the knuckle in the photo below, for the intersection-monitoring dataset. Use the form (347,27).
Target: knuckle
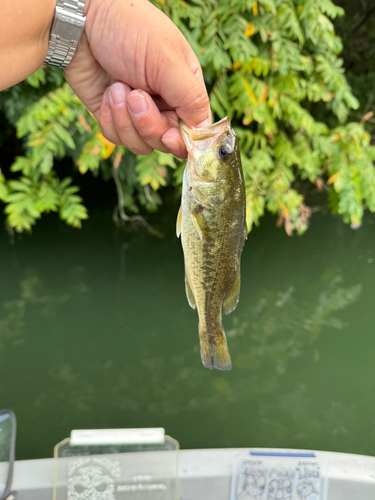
(105,119)
(122,119)
(125,132)
(150,135)
(201,102)
(140,150)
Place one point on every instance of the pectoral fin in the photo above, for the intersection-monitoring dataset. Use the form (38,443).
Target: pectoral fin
(231,301)
(200,224)
(178,223)
(210,194)
(189,293)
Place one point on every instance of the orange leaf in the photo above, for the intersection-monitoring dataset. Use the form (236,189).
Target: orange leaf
(83,122)
(250,30)
(236,65)
(249,92)
(104,140)
(116,161)
(255,8)
(334,177)
(273,102)
(162,171)
(367,116)
(284,210)
(108,146)
(279,221)
(263,97)
(319,184)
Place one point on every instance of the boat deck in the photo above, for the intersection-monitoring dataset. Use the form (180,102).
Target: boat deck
(207,475)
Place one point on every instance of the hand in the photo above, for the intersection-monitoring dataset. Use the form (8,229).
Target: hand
(137,74)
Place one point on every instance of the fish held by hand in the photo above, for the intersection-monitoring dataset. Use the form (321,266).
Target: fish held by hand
(212,225)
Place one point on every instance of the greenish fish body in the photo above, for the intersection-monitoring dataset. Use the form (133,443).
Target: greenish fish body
(212,224)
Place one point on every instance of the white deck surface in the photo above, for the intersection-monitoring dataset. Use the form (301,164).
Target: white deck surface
(206,475)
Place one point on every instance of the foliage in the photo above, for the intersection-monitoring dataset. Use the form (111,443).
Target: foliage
(272,65)
(357,29)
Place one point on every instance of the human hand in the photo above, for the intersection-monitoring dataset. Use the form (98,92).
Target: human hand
(137,74)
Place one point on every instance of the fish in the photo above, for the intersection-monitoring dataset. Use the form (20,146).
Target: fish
(212,224)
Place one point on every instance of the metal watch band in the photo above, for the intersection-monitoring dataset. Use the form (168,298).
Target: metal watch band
(67,29)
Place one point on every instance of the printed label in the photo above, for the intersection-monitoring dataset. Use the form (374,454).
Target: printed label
(259,480)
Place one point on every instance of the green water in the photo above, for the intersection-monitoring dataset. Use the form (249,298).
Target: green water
(96,332)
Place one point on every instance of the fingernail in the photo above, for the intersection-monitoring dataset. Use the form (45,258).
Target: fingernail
(137,104)
(117,94)
(172,144)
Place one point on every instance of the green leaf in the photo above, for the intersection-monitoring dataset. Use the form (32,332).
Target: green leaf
(273,66)
(37,78)
(64,135)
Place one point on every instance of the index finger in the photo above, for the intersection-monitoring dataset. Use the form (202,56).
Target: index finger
(186,93)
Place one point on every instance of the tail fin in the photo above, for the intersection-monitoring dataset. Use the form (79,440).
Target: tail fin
(214,350)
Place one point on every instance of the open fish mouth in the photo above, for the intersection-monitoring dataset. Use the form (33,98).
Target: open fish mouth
(208,133)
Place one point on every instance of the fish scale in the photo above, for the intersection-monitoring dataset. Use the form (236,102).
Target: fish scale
(212,224)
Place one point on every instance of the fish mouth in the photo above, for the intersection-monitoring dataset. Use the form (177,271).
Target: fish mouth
(190,135)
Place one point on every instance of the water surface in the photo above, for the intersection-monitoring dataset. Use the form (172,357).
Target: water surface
(96,332)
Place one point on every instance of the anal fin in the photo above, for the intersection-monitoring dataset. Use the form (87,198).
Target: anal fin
(231,301)
(189,293)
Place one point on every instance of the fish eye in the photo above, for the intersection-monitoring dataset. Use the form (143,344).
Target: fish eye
(224,152)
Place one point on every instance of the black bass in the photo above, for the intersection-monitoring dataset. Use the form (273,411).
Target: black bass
(212,224)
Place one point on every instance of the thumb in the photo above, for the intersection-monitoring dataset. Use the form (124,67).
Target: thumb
(185,92)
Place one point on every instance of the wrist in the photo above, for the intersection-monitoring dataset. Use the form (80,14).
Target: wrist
(23,38)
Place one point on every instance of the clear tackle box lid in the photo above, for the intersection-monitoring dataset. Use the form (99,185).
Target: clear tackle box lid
(116,464)
(279,474)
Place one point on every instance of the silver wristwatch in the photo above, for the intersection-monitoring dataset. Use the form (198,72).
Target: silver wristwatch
(67,29)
